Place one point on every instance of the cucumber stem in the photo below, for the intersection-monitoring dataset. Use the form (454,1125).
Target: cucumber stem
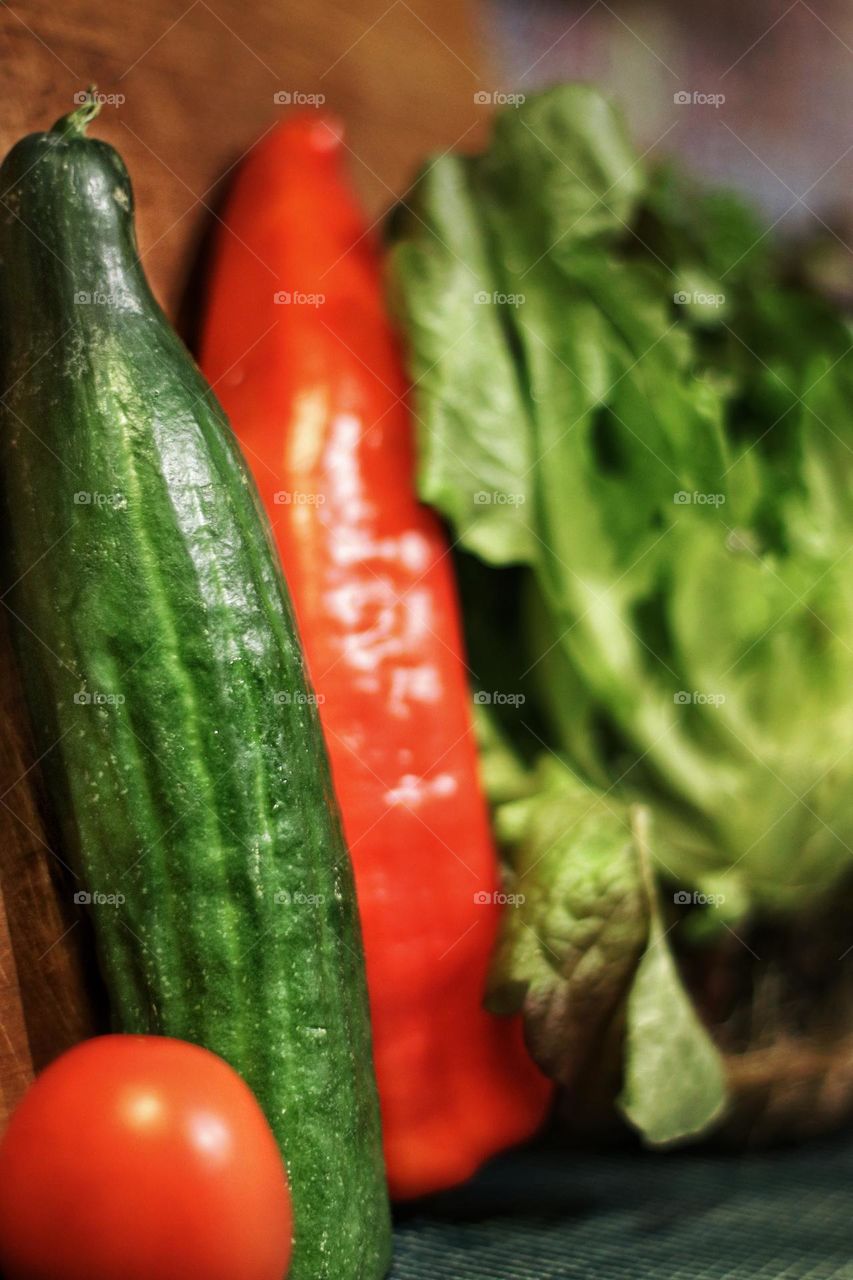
(74,124)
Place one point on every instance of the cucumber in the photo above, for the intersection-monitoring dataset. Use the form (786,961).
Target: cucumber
(183,755)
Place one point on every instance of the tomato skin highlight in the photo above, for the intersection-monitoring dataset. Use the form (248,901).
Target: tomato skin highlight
(135,1157)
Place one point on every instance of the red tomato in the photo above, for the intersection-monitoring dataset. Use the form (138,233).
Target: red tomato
(142,1158)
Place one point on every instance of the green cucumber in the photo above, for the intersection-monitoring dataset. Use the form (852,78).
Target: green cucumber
(183,755)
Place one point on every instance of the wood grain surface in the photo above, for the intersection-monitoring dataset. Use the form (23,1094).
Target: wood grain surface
(199,82)
(50,995)
(194,84)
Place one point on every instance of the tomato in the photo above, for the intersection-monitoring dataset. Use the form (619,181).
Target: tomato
(142,1158)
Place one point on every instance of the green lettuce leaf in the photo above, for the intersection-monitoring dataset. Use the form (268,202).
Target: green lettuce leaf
(674,1082)
(639,431)
(470,467)
(583,935)
(578,921)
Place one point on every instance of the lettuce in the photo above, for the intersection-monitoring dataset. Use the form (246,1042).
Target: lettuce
(639,431)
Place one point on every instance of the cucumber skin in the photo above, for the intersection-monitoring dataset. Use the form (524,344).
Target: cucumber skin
(205,792)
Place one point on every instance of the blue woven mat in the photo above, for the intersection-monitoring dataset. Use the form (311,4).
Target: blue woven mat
(550,1215)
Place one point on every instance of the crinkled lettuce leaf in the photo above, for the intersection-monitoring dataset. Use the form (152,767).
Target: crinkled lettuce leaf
(584,938)
(639,431)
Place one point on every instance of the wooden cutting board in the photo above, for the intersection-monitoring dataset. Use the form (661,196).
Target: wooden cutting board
(193,83)
(50,995)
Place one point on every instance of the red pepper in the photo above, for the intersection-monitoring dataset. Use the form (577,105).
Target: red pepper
(298,346)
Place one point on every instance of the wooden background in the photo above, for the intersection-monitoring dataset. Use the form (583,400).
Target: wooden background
(197,82)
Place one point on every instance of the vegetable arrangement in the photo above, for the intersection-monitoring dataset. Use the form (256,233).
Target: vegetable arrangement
(638,428)
(181,745)
(313,383)
(634,420)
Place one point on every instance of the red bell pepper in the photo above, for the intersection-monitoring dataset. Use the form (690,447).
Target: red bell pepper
(298,346)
